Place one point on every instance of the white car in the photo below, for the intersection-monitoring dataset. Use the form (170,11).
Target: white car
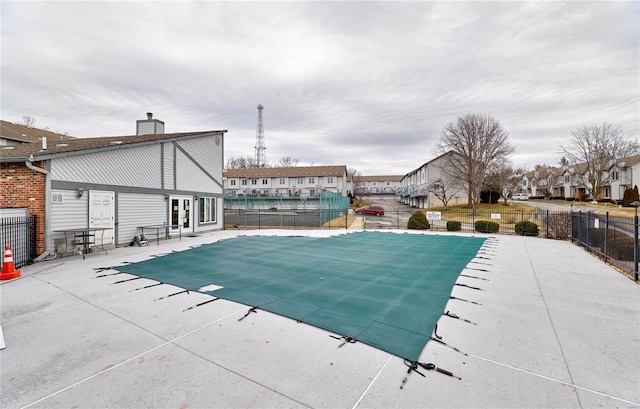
(520,196)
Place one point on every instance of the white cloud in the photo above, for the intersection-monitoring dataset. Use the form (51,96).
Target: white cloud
(369,85)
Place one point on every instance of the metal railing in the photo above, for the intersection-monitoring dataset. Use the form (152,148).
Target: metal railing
(20,233)
(613,238)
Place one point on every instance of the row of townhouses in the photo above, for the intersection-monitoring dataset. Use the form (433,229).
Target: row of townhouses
(571,181)
(305,182)
(425,186)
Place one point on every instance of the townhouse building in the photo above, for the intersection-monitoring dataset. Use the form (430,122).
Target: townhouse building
(291,182)
(428,186)
(377,185)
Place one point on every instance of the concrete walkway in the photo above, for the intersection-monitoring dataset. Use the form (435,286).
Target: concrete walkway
(547,325)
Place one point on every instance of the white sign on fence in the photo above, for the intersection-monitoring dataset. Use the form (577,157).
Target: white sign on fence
(434,216)
(495,216)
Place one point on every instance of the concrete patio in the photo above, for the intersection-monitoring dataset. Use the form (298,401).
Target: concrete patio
(549,326)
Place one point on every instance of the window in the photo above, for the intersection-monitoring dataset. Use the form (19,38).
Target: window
(244,182)
(281,181)
(254,181)
(312,181)
(233,182)
(388,183)
(374,183)
(56,198)
(329,179)
(300,181)
(207,209)
(265,181)
(616,175)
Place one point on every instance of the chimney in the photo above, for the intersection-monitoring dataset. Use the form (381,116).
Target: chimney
(44,143)
(149,126)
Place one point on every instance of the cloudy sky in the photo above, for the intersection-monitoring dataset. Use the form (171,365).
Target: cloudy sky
(369,85)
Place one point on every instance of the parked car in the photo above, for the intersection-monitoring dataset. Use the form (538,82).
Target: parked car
(520,196)
(377,210)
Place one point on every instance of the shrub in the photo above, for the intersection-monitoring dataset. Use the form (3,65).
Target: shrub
(559,225)
(454,225)
(485,226)
(630,196)
(526,228)
(418,221)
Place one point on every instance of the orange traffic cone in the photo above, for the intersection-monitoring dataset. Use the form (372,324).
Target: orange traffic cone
(8,268)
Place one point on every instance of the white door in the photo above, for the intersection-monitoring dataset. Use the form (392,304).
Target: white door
(101,215)
(181,213)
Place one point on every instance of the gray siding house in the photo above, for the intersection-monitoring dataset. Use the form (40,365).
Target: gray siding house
(121,183)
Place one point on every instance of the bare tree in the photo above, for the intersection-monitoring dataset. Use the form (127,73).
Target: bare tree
(478,141)
(543,179)
(504,179)
(593,150)
(287,162)
(359,189)
(28,121)
(240,163)
(443,190)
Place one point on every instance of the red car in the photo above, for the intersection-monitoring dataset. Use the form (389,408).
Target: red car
(377,210)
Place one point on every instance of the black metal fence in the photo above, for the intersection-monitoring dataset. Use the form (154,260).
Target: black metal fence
(611,238)
(20,233)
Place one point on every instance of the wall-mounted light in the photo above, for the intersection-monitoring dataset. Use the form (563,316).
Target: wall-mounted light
(196,198)
(166,196)
(79,193)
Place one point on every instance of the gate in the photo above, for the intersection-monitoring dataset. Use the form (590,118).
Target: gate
(20,234)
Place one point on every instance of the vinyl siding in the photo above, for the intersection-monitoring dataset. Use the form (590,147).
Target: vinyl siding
(169,166)
(71,213)
(191,178)
(136,210)
(130,166)
(206,153)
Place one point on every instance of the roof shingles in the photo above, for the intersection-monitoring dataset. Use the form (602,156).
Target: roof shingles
(23,151)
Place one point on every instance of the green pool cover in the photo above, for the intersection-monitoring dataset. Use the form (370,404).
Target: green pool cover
(387,290)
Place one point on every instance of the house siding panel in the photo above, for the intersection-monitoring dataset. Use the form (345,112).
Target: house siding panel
(169,166)
(135,210)
(130,166)
(72,213)
(189,177)
(207,153)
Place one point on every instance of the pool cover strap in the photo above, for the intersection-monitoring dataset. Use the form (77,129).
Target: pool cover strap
(384,289)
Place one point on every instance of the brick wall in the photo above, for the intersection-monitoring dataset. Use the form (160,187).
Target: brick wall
(22,187)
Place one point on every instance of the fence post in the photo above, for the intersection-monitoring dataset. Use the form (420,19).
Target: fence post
(258,219)
(579,227)
(547,224)
(635,246)
(522,220)
(606,236)
(588,242)
(571,213)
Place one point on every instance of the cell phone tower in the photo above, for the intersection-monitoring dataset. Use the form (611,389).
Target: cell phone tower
(261,161)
